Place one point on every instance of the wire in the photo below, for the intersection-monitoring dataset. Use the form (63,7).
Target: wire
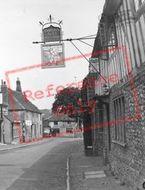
(68,39)
(89,36)
(85,43)
(80,51)
(88,61)
(81,40)
(73,39)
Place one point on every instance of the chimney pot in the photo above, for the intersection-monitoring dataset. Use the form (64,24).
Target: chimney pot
(18,85)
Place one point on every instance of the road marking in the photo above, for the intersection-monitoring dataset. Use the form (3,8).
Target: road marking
(68,174)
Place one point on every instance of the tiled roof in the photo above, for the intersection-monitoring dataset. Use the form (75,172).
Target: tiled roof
(59,117)
(12,118)
(45,113)
(17,101)
(9,117)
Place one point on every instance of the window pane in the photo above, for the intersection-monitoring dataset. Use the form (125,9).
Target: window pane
(119,116)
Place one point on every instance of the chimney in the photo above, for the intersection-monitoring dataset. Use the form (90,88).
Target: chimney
(5,92)
(18,85)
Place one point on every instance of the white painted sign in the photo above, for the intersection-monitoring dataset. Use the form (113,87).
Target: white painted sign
(28,122)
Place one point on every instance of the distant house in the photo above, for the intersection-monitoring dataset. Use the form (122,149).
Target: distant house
(22,121)
(46,113)
(61,123)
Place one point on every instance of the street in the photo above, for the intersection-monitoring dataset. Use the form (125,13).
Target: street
(38,167)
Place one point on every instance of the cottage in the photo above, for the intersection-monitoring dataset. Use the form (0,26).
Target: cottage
(61,124)
(22,120)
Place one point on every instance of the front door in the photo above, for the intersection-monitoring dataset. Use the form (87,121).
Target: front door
(87,130)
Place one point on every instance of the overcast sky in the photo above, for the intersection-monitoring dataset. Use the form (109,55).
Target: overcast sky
(19,20)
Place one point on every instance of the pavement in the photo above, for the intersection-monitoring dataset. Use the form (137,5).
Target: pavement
(89,173)
(7,147)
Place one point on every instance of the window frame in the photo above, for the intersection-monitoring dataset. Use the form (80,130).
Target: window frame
(119,118)
(55,122)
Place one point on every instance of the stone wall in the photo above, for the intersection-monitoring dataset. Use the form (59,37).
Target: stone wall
(7,131)
(128,161)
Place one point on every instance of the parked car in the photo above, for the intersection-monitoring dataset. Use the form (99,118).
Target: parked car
(55,131)
(47,132)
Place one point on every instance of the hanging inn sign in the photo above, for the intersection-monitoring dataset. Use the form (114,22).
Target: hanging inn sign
(52,55)
(52,48)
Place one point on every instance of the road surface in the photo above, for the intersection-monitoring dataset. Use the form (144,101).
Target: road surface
(39,167)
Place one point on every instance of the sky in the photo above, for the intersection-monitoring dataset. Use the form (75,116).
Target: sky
(19,20)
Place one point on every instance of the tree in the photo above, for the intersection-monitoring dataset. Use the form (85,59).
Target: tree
(66,101)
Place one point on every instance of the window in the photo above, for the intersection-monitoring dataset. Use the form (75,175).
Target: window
(55,122)
(138,3)
(119,117)
(15,131)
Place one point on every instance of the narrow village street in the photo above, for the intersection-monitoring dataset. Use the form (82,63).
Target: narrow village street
(54,164)
(72,95)
(41,166)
